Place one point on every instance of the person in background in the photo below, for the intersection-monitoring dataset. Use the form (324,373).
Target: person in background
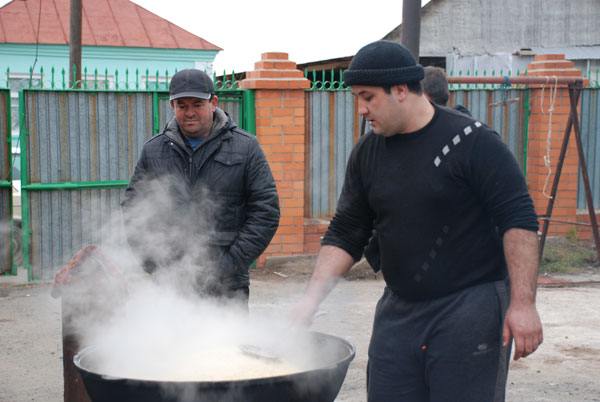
(457,236)
(435,88)
(214,201)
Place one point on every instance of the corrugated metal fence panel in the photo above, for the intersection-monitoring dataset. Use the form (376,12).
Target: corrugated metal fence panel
(508,121)
(165,111)
(5,192)
(79,137)
(63,222)
(320,174)
(5,153)
(5,222)
(344,139)
(83,137)
(328,160)
(590,136)
(231,102)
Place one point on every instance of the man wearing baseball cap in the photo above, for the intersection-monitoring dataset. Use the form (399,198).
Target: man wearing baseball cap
(202,204)
(457,234)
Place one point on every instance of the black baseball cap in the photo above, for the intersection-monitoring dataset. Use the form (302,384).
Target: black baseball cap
(191,83)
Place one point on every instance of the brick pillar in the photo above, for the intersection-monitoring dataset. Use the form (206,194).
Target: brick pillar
(279,99)
(540,121)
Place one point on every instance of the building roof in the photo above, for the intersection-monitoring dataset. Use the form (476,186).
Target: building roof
(104,23)
(475,27)
(329,64)
(571,52)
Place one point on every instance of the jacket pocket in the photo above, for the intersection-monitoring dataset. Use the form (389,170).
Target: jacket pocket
(229,158)
(221,238)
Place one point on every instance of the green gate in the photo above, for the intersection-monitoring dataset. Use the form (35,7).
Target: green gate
(78,150)
(6,204)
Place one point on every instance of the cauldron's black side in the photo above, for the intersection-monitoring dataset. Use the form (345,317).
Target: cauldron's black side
(321,385)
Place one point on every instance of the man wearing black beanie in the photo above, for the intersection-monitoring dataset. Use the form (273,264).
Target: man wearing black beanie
(457,234)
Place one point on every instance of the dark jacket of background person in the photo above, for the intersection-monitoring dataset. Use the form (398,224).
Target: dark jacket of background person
(221,195)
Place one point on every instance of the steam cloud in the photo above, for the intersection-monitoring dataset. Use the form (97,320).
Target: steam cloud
(162,330)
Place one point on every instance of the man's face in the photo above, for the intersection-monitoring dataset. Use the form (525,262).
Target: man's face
(382,110)
(194,115)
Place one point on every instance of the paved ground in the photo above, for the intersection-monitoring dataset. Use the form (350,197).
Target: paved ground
(565,368)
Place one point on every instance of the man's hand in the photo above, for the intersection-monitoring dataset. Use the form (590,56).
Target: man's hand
(522,322)
(332,263)
(301,315)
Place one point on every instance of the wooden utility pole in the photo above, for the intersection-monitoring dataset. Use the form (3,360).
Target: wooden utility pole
(411,26)
(75,45)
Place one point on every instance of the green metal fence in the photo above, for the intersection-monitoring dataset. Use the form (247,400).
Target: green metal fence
(593,77)
(334,126)
(6,207)
(78,150)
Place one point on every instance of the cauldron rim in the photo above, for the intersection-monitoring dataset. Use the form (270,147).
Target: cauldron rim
(224,383)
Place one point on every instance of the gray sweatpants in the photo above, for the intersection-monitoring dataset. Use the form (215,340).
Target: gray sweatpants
(447,349)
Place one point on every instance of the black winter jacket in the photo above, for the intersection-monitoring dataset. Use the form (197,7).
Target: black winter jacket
(215,208)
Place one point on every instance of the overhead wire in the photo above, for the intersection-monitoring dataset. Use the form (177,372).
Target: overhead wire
(37,42)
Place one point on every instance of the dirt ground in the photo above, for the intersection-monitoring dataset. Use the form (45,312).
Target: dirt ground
(565,368)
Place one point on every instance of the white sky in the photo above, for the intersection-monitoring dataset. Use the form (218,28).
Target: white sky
(310,30)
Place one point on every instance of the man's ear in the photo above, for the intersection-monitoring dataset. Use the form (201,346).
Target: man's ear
(400,91)
(172,104)
(214,100)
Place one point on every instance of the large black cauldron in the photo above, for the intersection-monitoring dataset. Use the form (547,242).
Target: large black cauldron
(319,385)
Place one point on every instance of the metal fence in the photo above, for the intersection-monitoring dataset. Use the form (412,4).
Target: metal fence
(590,136)
(5,184)
(334,126)
(506,111)
(78,151)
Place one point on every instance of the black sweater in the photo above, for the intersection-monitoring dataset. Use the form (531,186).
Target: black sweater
(440,200)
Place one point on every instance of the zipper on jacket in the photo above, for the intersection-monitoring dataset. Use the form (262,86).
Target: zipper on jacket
(191,164)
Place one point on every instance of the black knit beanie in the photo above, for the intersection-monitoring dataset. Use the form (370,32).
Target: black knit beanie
(383,63)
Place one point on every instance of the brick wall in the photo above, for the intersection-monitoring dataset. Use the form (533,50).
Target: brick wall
(549,111)
(280,128)
(279,99)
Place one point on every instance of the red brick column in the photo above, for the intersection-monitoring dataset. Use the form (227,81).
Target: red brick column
(549,110)
(279,99)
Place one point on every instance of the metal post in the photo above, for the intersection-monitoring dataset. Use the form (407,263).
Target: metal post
(74,389)
(75,45)
(559,165)
(411,26)
(574,94)
(572,123)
